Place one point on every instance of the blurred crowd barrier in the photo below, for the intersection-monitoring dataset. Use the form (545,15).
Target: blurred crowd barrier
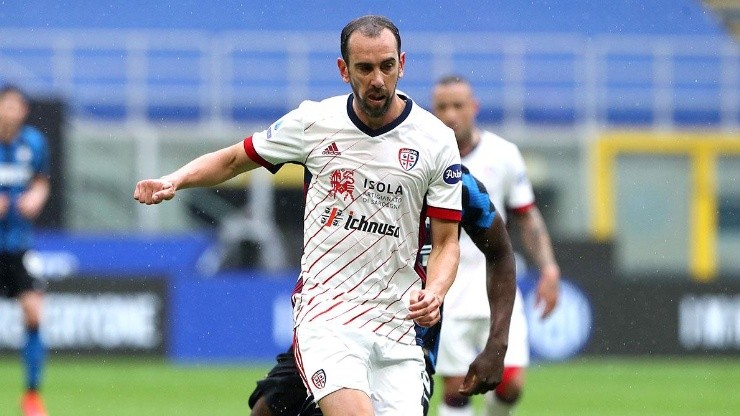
(166,76)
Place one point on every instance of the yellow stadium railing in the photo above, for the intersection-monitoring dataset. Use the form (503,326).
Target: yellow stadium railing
(702,149)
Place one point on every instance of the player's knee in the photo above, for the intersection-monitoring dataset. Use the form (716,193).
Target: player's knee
(456,400)
(511,386)
(508,393)
(261,408)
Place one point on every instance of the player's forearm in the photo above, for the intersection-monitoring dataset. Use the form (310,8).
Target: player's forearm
(210,169)
(501,287)
(442,266)
(32,201)
(536,239)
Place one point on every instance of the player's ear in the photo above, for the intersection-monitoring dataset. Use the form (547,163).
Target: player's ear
(343,70)
(476,106)
(401,64)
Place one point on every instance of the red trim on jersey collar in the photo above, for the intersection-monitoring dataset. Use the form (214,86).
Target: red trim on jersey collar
(523,209)
(252,153)
(444,213)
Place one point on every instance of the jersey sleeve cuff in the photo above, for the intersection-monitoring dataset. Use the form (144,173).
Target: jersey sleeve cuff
(444,213)
(252,154)
(522,209)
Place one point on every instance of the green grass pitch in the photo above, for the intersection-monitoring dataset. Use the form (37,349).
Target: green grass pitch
(584,386)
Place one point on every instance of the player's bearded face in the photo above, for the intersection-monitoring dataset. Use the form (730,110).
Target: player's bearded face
(375,101)
(373,67)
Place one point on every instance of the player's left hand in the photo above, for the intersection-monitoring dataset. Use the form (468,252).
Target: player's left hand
(484,373)
(424,307)
(548,289)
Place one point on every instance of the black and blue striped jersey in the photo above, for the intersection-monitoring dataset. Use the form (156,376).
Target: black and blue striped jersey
(21,160)
(478,214)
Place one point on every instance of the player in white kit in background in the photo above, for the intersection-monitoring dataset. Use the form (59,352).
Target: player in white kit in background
(499,165)
(378,163)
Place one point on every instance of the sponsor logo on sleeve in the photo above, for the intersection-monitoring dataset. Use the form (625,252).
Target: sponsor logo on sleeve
(453,174)
(274,127)
(408,158)
(521,178)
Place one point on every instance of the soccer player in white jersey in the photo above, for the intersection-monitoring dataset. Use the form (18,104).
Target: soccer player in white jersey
(378,163)
(499,165)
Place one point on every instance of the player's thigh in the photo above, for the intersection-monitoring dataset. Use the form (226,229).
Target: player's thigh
(31,301)
(460,342)
(399,380)
(346,402)
(331,358)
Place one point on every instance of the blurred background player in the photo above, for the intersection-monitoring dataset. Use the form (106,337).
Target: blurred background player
(24,189)
(500,166)
(281,392)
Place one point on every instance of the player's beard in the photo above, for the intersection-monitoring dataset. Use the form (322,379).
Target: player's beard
(376,111)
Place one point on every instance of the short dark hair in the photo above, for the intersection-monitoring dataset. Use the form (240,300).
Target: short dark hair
(453,79)
(10,88)
(370,25)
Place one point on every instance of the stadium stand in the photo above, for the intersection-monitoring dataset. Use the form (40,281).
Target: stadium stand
(662,63)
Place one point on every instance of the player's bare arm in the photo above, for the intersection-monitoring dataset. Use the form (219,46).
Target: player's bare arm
(441,270)
(486,371)
(31,202)
(539,247)
(207,170)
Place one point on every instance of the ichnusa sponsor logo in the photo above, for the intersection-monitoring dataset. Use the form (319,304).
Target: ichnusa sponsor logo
(362,224)
(332,217)
(453,174)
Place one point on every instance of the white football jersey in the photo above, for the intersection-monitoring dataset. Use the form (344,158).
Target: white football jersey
(499,165)
(363,208)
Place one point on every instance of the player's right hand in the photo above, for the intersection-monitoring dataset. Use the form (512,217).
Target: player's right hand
(485,372)
(154,191)
(424,307)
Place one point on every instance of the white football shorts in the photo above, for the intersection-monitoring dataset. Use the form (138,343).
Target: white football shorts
(392,374)
(462,339)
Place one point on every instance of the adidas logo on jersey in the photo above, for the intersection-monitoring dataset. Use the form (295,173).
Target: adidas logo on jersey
(331,150)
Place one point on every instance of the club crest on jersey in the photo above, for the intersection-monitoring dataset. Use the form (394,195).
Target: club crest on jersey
(319,379)
(342,183)
(453,174)
(408,158)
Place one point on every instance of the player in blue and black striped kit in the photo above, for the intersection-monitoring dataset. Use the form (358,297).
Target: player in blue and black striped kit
(24,189)
(282,393)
